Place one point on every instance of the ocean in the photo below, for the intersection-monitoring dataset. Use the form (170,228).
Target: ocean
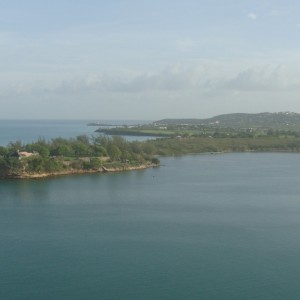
(220,226)
(28,131)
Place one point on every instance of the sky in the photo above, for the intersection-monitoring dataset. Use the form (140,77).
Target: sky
(138,59)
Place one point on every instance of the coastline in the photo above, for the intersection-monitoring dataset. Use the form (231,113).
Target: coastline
(124,168)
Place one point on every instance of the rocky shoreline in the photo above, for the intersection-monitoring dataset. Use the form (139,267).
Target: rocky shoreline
(27,175)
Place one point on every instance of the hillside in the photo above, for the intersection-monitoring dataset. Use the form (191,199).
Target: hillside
(280,120)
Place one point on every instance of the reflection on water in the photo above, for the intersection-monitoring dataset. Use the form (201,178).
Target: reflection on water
(24,191)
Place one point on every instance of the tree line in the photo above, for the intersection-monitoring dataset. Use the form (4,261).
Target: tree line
(81,152)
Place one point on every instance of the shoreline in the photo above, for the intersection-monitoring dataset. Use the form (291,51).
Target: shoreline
(126,167)
(79,172)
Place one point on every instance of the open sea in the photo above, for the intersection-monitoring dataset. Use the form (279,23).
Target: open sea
(199,227)
(28,131)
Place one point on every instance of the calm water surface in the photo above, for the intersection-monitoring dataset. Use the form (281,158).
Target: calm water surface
(199,227)
(28,131)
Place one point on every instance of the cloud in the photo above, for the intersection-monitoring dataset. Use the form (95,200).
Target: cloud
(206,77)
(173,78)
(252,16)
(265,78)
(210,87)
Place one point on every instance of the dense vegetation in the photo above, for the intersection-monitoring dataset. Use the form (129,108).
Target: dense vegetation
(81,153)
(184,130)
(179,146)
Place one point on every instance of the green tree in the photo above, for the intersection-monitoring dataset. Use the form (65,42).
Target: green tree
(114,152)
(80,149)
(35,164)
(62,150)
(14,165)
(42,150)
(4,168)
(136,147)
(126,155)
(149,148)
(98,150)
(84,139)
(3,151)
(53,165)
(103,141)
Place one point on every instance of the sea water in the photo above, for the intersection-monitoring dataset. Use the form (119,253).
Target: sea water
(28,131)
(198,227)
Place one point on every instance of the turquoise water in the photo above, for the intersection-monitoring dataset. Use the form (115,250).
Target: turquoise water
(199,227)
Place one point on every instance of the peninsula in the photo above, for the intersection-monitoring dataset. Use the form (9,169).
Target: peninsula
(72,156)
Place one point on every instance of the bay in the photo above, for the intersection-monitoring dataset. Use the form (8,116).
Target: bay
(199,227)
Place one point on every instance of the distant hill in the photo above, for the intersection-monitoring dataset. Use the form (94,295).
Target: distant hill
(280,120)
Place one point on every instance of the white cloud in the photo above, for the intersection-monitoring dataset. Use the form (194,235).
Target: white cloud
(208,88)
(172,78)
(265,78)
(204,77)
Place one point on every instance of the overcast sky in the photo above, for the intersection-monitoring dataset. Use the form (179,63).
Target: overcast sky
(138,59)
